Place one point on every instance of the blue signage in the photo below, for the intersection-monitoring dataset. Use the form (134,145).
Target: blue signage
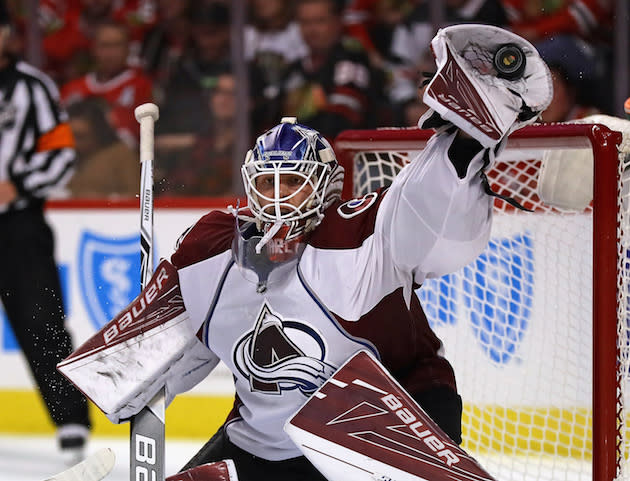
(109,274)
(494,293)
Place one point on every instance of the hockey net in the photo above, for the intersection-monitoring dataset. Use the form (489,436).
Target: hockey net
(537,327)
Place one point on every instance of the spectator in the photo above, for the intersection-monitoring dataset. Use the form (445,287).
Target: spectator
(106,166)
(272,42)
(68,27)
(372,22)
(564,105)
(576,74)
(121,86)
(333,87)
(164,44)
(207,55)
(536,20)
(272,30)
(205,168)
(586,23)
(411,40)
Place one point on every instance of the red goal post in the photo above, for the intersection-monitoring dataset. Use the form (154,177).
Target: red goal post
(546,305)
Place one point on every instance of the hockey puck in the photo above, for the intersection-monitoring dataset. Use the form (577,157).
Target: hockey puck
(509,61)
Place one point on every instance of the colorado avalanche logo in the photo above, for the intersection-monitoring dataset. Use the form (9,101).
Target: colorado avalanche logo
(500,303)
(497,294)
(282,355)
(109,274)
(354,207)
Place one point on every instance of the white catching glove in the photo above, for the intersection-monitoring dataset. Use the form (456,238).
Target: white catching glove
(489,82)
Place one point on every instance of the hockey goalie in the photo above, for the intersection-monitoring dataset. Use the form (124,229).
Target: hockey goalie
(309,300)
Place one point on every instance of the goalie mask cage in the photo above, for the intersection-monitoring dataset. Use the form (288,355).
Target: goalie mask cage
(537,326)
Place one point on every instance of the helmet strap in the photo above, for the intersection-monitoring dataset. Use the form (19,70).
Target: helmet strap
(273,230)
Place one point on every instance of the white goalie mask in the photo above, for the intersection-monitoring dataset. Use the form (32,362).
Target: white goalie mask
(290,152)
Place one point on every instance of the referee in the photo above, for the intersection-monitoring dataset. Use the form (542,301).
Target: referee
(36,157)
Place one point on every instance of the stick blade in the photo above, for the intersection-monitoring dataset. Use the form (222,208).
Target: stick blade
(94,468)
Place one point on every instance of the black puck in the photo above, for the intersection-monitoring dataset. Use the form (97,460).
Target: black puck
(509,62)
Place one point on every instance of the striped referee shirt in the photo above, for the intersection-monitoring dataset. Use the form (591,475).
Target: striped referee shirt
(36,144)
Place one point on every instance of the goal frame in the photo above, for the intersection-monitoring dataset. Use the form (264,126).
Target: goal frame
(604,144)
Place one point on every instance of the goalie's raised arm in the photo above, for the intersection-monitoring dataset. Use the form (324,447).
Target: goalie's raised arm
(490,82)
(148,345)
(437,215)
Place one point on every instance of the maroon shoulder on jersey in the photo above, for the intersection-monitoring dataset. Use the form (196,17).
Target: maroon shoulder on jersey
(347,224)
(408,347)
(211,235)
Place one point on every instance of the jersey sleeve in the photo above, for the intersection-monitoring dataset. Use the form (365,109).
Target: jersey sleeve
(432,220)
(209,236)
(51,162)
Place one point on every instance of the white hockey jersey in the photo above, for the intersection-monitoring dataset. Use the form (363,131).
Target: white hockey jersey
(352,288)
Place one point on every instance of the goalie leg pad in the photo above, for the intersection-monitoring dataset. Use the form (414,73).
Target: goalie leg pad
(362,425)
(489,82)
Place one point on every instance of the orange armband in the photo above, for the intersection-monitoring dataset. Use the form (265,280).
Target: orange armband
(58,138)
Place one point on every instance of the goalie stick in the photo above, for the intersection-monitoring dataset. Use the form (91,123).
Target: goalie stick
(94,468)
(147,430)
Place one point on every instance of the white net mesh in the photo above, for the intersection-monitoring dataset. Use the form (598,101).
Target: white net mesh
(517,323)
(623,295)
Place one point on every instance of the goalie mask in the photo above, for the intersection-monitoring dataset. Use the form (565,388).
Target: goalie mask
(489,82)
(291,176)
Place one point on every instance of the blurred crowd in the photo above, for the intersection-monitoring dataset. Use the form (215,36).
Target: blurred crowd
(334,64)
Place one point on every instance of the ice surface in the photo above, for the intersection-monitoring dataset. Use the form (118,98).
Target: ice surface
(35,458)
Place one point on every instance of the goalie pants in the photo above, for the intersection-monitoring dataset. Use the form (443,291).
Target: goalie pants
(441,403)
(30,292)
(253,468)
